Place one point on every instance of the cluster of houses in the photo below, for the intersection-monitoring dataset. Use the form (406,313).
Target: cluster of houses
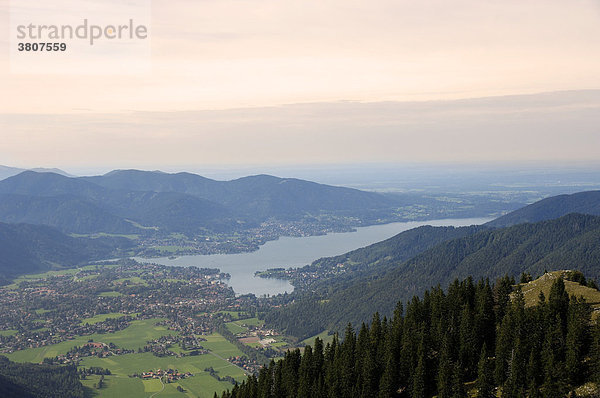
(169,374)
(249,365)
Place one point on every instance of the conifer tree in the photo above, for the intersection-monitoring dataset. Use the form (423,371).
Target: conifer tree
(485,325)
(504,347)
(419,378)
(515,383)
(534,371)
(577,339)
(305,376)
(595,353)
(348,372)
(458,383)
(467,358)
(502,291)
(554,384)
(444,378)
(485,376)
(558,304)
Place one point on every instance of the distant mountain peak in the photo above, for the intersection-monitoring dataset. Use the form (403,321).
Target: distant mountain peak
(7,171)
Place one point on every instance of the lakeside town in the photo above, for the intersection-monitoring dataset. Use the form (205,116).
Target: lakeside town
(88,305)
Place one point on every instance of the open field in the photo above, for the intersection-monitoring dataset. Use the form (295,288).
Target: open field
(110,294)
(324,335)
(241,325)
(235,328)
(102,317)
(133,337)
(138,363)
(220,346)
(132,280)
(250,322)
(116,386)
(202,384)
(119,384)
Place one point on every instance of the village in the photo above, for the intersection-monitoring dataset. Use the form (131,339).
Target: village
(169,375)
(104,311)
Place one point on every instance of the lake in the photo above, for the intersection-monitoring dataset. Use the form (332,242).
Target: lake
(296,252)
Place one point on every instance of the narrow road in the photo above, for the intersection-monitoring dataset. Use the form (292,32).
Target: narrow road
(158,392)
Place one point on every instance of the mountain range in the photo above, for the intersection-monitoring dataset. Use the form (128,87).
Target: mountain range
(121,201)
(544,235)
(7,171)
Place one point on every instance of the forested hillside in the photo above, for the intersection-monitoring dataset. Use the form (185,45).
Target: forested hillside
(29,248)
(27,380)
(385,254)
(180,202)
(472,340)
(553,207)
(564,243)
(260,195)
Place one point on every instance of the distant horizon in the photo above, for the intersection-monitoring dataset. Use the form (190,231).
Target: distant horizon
(273,84)
(546,128)
(546,179)
(271,169)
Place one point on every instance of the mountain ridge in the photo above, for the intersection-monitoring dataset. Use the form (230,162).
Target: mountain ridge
(181,202)
(586,202)
(565,242)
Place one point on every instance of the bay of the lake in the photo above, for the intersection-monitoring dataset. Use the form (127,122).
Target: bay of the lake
(296,252)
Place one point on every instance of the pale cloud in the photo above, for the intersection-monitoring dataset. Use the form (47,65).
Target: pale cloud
(547,127)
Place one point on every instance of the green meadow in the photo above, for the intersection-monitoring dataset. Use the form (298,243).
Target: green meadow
(119,384)
(132,280)
(202,384)
(234,328)
(101,318)
(111,293)
(324,335)
(241,325)
(134,337)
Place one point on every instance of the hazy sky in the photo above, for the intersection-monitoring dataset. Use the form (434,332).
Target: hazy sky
(226,75)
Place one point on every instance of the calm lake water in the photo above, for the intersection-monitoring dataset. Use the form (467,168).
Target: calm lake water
(295,252)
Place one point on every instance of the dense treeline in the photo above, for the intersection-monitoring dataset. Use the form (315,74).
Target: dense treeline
(24,380)
(474,332)
(565,243)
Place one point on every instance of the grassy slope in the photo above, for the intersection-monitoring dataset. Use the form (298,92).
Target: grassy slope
(531,290)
